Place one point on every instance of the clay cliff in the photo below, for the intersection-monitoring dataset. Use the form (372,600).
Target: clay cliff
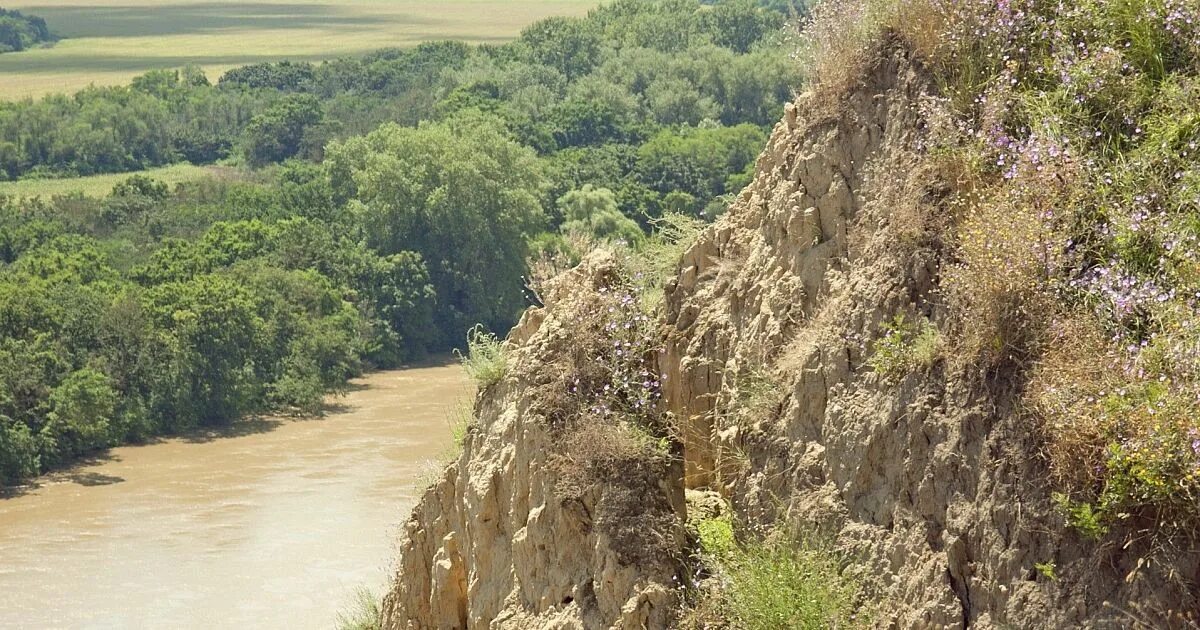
(932,480)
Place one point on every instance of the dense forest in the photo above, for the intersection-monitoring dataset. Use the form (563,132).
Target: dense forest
(396,200)
(18,31)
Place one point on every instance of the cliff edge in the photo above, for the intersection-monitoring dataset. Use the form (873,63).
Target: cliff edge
(930,478)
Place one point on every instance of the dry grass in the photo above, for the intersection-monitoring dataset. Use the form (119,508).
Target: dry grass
(839,43)
(102,185)
(999,291)
(108,42)
(1077,368)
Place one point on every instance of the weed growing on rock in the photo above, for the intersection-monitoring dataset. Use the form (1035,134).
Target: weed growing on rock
(362,613)
(485,361)
(460,419)
(779,582)
(1048,570)
(1082,517)
(656,259)
(906,346)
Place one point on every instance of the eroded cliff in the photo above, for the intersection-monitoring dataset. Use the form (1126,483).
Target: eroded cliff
(551,517)
(932,480)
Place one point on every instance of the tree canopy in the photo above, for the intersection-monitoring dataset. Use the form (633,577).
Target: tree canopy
(371,210)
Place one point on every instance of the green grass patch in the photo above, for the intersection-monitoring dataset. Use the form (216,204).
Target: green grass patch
(782,582)
(906,346)
(102,185)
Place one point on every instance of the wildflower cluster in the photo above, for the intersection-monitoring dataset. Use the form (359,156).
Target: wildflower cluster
(620,379)
(1079,218)
(1121,80)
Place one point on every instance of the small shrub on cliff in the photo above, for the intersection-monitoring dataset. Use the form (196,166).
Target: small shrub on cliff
(781,582)
(362,613)
(485,360)
(657,258)
(609,405)
(906,345)
(601,398)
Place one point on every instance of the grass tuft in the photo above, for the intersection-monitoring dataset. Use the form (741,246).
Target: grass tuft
(362,613)
(781,582)
(486,361)
(906,346)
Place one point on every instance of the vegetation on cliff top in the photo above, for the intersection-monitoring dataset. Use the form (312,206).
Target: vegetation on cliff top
(1070,132)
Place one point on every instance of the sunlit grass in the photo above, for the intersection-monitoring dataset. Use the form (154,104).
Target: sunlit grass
(109,42)
(102,185)
(783,582)
(361,613)
(485,361)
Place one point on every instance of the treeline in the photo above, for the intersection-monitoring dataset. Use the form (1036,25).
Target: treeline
(150,312)
(18,32)
(397,201)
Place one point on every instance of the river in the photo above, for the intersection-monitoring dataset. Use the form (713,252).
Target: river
(272,525)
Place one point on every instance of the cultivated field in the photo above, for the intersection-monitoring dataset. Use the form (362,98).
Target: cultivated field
(110,41)
(101,185)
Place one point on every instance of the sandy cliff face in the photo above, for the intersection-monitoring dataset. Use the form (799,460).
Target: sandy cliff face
(501,541)
(932,480)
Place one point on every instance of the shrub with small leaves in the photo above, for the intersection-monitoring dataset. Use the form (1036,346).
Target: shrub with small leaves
(485,360)
(906,345)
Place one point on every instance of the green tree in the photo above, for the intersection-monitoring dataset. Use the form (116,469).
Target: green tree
(277,133)
(697,162)
(570,45)
(593,212)
(739,24)
(463,195)
(82,409)
(214,333)
(18,451)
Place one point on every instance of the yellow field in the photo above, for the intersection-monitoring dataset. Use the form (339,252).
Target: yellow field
(101,185)
(111,41)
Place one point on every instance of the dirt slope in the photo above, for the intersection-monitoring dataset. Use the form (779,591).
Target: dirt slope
(932,480)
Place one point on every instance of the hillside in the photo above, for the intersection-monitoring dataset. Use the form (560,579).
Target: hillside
(936,364)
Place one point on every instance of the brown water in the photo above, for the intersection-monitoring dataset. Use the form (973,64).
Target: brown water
(272,528)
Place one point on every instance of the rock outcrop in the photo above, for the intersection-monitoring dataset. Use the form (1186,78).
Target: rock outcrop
(497,542)
(932,481)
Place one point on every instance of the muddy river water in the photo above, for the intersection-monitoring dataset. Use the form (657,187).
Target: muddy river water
(273,526)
